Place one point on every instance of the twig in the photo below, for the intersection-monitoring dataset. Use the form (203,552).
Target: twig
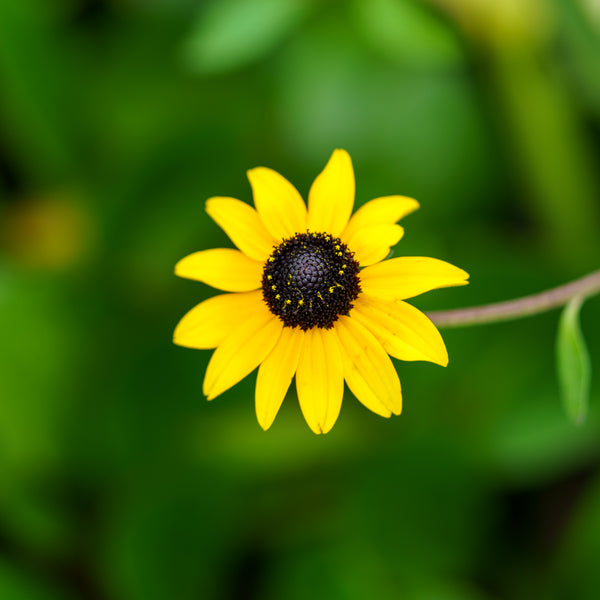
(520,307)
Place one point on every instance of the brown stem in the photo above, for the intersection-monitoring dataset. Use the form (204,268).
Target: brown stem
(521,307)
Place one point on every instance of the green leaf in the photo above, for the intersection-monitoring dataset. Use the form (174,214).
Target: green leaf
(18,583)
(573,362)
(407,32)
(234,33)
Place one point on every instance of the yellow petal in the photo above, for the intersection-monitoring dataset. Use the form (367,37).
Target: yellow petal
(222,268)
(278,203)
(242,350)
(368,370)
(409,276)
(404,331)
(331,197)
(372,244)
(380,211)
(208,323)
(275,375)
(243,226)
(320,379)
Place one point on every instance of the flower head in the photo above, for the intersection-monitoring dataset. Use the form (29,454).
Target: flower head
(310,295)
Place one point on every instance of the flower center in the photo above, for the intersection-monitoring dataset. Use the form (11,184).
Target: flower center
(310,280)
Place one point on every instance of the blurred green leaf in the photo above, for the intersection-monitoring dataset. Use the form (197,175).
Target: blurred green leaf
(447,155)
(34,371)
(18,584)
(234,33)
(573,362)
(578,564)
(39,117)
(581,34)
(405,31)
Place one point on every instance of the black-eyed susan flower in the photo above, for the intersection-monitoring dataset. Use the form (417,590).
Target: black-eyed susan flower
(310,295)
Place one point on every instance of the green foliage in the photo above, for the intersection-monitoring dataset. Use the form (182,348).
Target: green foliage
(234,33)
(17,584)
(573,363)
(407,32)
(117,479)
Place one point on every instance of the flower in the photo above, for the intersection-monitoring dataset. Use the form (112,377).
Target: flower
(310,295)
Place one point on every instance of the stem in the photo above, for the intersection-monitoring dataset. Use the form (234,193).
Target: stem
(521,307)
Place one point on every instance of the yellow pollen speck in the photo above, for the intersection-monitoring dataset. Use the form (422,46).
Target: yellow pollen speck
(271,259)
(288,301)
(340,272)
(337,246)
(331,289)
(269,277)
(273,287)
(300,302)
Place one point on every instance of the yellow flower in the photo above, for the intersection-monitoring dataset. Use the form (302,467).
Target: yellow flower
(311,295)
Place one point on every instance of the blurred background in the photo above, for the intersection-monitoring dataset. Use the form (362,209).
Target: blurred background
(118,119)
